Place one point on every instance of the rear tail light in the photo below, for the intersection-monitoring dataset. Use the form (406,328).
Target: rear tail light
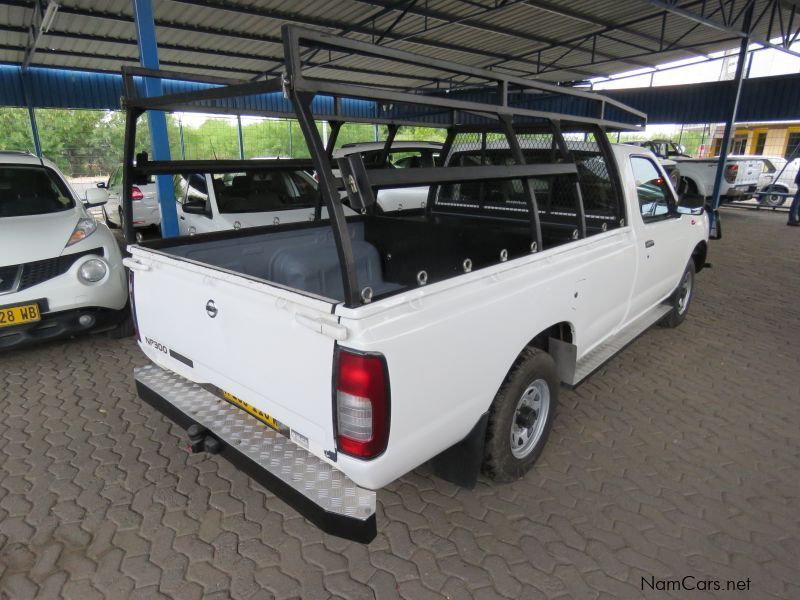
(136,193)
(133,306)
(362,404)
(730,173)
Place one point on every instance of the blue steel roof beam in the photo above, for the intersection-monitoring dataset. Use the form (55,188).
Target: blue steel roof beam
(725,28)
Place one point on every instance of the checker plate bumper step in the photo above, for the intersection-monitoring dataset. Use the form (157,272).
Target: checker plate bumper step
(318,491)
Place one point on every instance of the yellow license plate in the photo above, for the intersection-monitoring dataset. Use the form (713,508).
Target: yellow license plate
(16,315)
(258,414)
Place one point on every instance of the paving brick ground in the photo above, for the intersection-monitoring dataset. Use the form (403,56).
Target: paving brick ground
(680,457)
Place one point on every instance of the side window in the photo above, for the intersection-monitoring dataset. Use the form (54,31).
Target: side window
(655,196)
(302,189)
(410,159)
(115,178)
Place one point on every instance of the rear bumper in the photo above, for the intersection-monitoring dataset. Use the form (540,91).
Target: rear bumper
(315,489)
(58,325)
(738,191)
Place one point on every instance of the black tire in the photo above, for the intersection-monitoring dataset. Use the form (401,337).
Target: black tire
(124,328)
(534,368)
(681,298)
(137,234)
(773,200)
(109,223)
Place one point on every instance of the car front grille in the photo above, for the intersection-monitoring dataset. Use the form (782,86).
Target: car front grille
(8,277)
(34,273)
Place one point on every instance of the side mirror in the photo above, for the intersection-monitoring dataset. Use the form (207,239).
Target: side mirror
(685,210)
(691,204)
(102,185)
(195,207)
(95,197)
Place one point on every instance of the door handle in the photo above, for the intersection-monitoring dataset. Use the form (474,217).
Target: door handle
(649,244)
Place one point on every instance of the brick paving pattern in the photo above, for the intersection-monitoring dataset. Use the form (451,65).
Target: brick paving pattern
(680,457)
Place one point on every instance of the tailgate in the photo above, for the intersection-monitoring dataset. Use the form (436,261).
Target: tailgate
(259,342)
(749,172)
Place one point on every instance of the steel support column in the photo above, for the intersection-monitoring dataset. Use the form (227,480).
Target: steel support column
(738,78)
(241,140)
(157,121)
(37,146)
(35,132)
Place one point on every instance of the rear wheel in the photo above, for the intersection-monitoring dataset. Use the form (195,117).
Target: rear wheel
(772,199)
(681,298)
(521,417)
(137,234)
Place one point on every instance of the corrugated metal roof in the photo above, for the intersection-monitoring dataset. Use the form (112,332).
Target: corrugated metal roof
(547,39)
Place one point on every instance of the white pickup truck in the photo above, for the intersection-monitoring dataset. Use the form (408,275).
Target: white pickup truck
(329,358)
(740,179)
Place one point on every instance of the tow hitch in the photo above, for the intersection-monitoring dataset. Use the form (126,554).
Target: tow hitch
(200,440)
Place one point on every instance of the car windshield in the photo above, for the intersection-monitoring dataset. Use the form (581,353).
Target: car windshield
(264,190)
(31,190)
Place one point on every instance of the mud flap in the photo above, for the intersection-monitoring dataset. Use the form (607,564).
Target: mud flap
(461,463)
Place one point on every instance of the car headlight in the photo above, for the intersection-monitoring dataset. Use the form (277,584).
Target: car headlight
(92,271)
(83,229)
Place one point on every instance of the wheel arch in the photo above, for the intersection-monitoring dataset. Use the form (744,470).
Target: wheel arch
(460,464)
(558,340)
(692,185)
(699,256)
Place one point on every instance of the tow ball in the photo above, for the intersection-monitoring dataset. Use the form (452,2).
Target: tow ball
(200,440)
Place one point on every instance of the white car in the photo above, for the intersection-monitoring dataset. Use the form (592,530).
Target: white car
(146,211)
(61,272)
(402,155)
(266,192)
(777,180)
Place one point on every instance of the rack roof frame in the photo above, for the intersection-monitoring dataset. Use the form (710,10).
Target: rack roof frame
(504,96)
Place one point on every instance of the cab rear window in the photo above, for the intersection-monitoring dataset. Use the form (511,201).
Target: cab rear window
(30,190)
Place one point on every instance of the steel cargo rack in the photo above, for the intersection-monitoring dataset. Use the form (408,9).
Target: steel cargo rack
(490,108)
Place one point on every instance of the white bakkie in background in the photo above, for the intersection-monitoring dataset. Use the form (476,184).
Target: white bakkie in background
(364,394)
(401,155)
(274,191)
(740,179)
(61,272)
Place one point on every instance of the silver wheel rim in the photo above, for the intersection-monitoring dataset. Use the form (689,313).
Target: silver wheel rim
(530,416)
(685,293)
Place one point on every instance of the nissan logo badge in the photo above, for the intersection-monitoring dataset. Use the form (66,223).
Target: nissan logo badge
(211,309)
